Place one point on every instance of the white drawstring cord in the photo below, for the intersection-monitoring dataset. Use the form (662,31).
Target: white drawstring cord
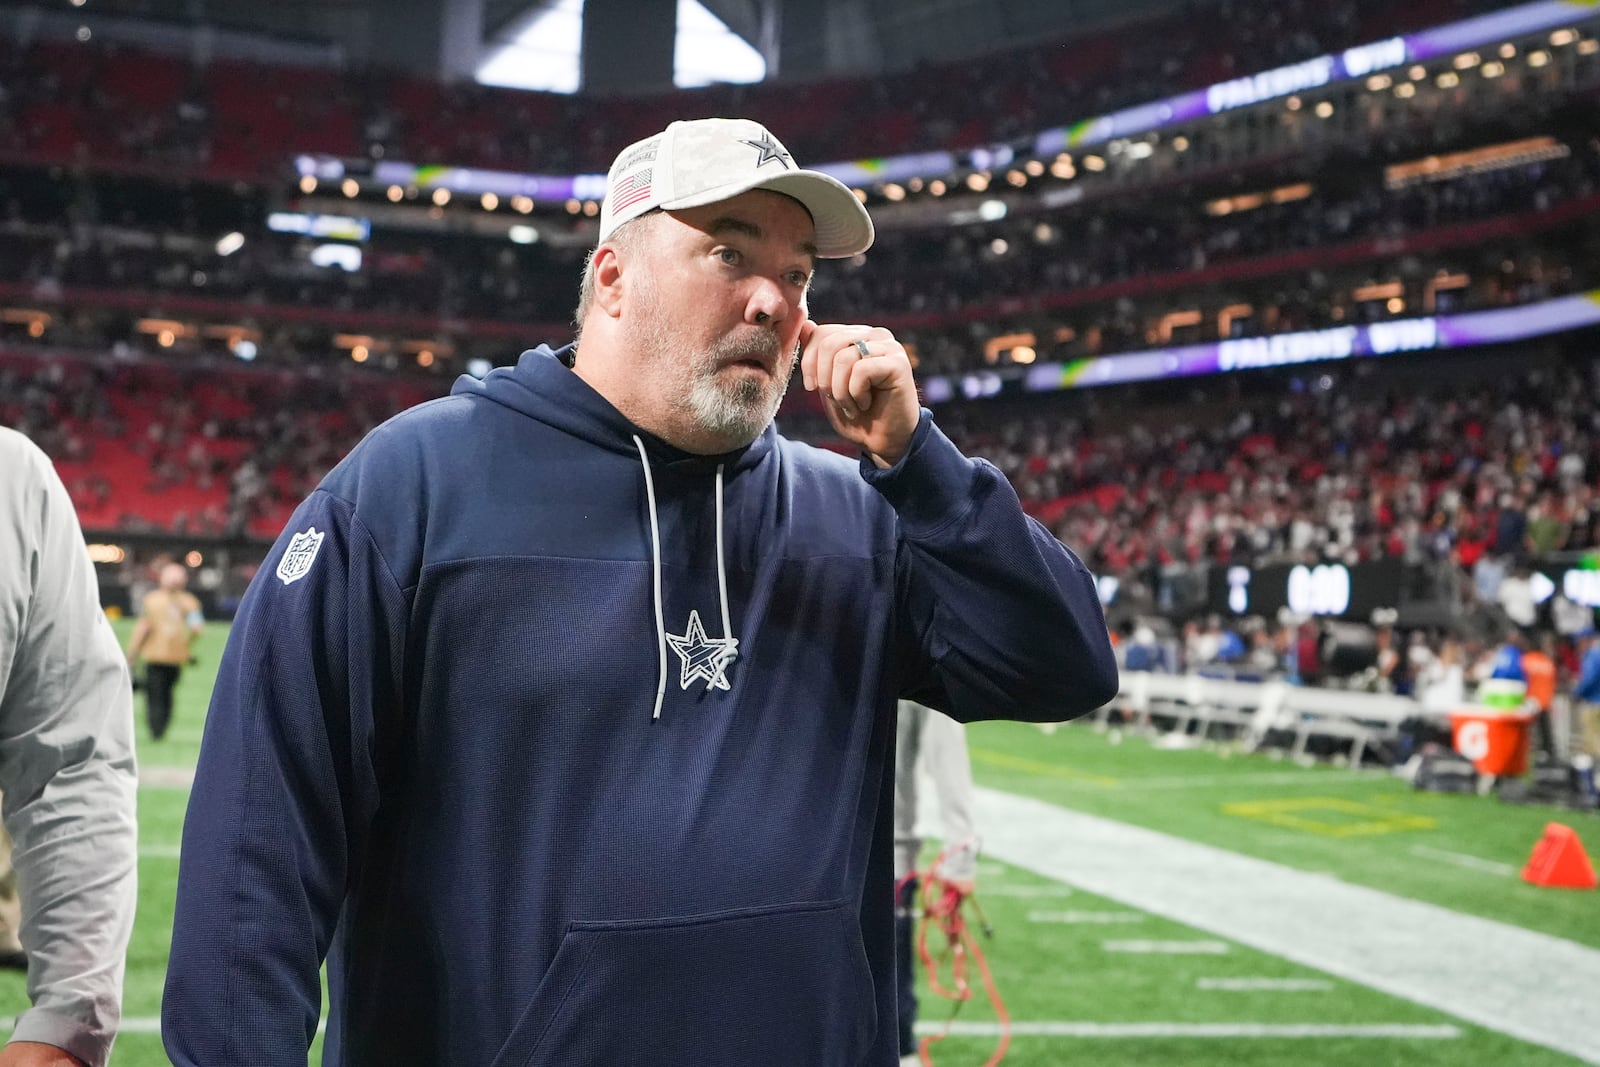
(655,553)
(722,570)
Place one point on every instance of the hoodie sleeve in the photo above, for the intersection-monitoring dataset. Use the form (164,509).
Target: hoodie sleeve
(1003,620)
(284,793)
(66,763)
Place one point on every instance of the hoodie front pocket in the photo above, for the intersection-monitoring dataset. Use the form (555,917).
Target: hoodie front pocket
(781,987)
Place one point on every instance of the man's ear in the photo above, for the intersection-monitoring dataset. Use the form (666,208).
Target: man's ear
(608,279)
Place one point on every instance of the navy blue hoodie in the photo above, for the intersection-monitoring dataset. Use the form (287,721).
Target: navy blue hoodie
(566,747)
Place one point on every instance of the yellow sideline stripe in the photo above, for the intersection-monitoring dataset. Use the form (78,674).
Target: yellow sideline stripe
(1299,813)
(990,758)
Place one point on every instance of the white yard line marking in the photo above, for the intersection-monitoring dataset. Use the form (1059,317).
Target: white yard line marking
(1168,948)
(1529,985)
(1085,917)
(1265,985)
(1224,1030)
(1461,859)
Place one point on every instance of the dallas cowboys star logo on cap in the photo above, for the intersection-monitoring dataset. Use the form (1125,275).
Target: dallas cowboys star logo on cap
(770,150)
(702,656)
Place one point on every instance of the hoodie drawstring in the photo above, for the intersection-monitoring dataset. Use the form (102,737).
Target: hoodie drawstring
(655,557)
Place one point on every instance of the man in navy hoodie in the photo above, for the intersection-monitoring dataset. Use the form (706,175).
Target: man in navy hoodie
(561,719)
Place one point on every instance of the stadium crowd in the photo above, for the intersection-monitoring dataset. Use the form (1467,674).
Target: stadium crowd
(1347,464)
(949,290)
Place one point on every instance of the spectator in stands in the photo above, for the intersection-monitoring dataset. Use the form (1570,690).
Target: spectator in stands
(66,771)
(1144,652)
(169,622)
(447,740)
(927,742)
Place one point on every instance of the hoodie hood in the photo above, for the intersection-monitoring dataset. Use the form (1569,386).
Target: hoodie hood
(543,386)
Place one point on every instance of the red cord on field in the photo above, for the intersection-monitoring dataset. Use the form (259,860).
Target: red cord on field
(942,910)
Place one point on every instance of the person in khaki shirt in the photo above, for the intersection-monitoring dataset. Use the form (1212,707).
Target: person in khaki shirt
(169,621)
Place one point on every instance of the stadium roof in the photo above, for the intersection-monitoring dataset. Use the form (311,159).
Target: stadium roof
(857,34)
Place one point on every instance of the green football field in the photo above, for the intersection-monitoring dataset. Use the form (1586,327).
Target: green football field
(1071,995)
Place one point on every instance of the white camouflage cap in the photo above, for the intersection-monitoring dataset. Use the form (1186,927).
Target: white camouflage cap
(702,161)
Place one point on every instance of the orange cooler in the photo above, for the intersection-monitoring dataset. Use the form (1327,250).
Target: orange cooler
(1496,741)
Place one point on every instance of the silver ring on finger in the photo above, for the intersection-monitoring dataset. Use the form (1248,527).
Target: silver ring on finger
(861,346)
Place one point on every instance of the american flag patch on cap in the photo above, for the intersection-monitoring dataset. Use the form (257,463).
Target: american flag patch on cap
(630,189)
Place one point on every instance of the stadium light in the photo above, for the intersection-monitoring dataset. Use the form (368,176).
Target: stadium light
(523,235)
(350,188)
(1538,59)
(489,201)
(441,196)
(230,243)
(893,192)
(1563,37)
(308,184)
(1405,90)
(395,194)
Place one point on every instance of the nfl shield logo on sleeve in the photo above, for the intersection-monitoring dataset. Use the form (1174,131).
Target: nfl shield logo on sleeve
(299,556)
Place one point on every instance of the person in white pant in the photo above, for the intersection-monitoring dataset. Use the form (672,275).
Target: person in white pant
(66,770)
(936,745)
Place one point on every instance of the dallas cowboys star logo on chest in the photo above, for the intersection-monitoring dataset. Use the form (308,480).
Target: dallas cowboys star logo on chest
(702,656)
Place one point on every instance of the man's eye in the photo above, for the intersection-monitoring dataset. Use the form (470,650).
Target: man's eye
(729,256)
(799,278)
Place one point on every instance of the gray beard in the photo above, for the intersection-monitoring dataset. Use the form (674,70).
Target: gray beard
(741,410)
